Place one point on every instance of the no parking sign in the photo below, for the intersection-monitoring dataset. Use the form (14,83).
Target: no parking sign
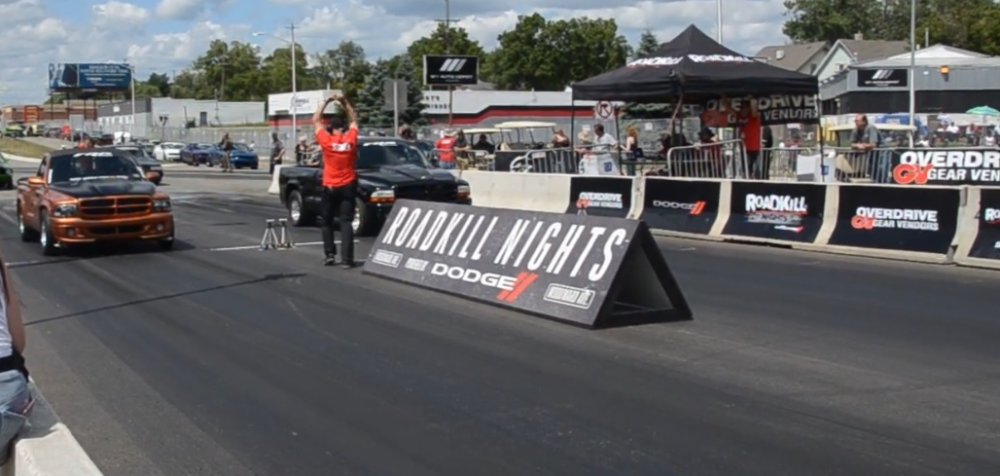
(603,110)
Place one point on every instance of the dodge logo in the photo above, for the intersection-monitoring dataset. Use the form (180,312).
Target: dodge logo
(470,275)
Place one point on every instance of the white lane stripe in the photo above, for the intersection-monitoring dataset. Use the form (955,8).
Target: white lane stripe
(257,247)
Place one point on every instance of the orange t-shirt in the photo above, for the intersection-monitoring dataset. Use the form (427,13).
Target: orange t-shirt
(752,131)
(446,149)
(340,155)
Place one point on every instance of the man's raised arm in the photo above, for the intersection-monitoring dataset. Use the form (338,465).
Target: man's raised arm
(352,116)
(318,115)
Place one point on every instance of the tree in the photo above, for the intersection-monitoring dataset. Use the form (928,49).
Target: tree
(346,62)
(161,82)
(648,44)
(543,55)
(824,20)
(443,40)
(277,71)
(372,99)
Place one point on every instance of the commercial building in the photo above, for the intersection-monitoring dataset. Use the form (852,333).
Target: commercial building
(152,114)
(946,80)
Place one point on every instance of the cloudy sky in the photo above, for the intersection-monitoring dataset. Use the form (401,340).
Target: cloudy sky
(166,35)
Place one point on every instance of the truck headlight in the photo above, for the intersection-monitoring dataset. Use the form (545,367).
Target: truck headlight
(161,205)
(383,196)
(65,210)
(464,191)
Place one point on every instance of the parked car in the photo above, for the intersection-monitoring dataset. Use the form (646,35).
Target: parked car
(388,169)
(243,156)
(201,154)
(151,167)
(168,151)
(83,196)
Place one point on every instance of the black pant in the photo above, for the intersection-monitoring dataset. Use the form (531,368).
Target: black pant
(752,156)
(338,202)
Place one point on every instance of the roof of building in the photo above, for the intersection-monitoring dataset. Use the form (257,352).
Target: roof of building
(791,57)
(868,50)
(937,55)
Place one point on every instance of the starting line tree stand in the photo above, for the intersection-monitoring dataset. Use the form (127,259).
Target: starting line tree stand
(276,235)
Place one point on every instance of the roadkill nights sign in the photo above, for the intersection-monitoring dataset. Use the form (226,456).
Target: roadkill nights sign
(946,167)
(587,270)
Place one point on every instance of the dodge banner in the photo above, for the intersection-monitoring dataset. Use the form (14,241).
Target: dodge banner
(987,244)
(588,270)
(775,210)
(896,218)
(604,196)
(946,167)
(681,205)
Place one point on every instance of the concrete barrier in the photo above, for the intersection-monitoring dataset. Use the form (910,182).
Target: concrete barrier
(683,207)
(517,191)
(275,188)
(979,229)
(47,447)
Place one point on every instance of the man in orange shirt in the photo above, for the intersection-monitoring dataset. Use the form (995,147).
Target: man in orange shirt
(339,143)
(446,149)
(751,128)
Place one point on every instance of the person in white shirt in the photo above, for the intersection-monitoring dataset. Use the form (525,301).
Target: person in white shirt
(15,395)
(604,142)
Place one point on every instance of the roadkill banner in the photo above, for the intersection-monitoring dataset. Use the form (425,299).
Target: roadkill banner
(588,270)
(987,244)
(897,218)
(603,196)
(775,210)
(946,167)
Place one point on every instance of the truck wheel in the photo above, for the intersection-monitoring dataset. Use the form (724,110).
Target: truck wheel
(27,234)
(297,213)
(47,240)
(167,244)
(364,220)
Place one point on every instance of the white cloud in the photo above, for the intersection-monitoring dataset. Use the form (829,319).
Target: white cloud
(187,9)
(119,15)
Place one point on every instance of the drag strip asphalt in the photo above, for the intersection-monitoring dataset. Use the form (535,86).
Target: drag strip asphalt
(217,358)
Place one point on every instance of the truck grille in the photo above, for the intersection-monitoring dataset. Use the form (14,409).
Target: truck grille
(429,193)
(115,207)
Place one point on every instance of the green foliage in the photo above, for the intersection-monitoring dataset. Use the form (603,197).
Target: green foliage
(344,68)
(967,24)
(543,55)
(648,44)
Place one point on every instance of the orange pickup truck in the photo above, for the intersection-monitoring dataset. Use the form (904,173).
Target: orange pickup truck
(84,196)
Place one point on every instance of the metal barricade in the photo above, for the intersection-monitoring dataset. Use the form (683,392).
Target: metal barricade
(724,159)
(781,163)
(861,166)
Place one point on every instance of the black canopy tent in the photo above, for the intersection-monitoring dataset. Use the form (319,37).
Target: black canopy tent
(696,67)
(692,68)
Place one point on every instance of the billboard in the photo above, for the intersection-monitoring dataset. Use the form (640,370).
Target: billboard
(447,70)
(71,77)
(306,102)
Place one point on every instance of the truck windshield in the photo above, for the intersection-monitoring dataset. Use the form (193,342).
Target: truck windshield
(373,155)
(92,166)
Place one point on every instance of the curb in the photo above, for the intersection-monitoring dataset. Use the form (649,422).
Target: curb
(47,447)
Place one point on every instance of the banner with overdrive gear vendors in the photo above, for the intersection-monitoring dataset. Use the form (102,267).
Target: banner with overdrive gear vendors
(897,218)
(946,167)
(587,270)
(987,244)
(773,109)
(777,211)
(687,206)
(603,196)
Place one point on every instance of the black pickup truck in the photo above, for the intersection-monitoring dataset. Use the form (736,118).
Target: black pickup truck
(388,169)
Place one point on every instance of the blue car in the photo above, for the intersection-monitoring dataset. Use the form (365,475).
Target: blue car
(201,154)
(243,156)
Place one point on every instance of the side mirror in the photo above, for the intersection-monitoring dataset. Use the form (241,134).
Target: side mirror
(36,181)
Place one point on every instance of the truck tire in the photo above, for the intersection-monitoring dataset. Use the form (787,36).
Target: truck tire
(27,234)
(47,240)
(298,215)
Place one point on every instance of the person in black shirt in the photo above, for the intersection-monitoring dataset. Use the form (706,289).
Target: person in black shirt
(227,149)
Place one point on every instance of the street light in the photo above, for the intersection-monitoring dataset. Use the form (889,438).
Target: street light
(131,70)
(291,27)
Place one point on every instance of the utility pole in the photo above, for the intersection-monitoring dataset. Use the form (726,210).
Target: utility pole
(913,69)
(447,50)
(718,20)
(295,104)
